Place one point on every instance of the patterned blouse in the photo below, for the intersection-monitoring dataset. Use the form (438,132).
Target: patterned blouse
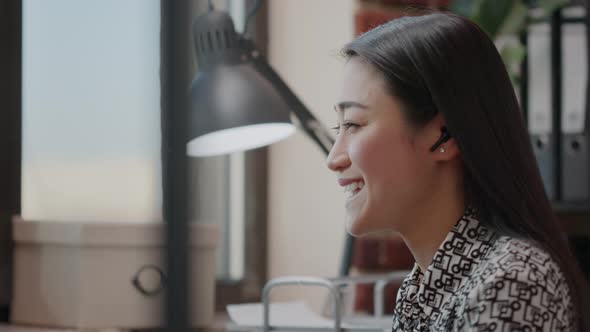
(481,281)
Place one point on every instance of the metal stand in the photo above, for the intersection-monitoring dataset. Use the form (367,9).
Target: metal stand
(342,323)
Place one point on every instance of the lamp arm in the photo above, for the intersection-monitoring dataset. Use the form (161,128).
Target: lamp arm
(307,121)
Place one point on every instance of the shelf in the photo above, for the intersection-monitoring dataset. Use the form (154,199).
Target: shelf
(571,207)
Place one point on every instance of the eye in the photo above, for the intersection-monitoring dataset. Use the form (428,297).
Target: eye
(350,125)
(346,125)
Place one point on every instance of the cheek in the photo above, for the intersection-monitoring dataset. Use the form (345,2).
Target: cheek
(364,152)
(379,156)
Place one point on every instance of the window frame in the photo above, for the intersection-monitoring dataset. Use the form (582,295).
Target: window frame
(10,140)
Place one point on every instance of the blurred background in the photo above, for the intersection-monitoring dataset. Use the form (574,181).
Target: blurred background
(81,150)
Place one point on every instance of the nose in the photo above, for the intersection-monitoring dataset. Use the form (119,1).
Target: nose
(338,159)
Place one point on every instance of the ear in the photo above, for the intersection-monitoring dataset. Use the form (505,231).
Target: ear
(441,139)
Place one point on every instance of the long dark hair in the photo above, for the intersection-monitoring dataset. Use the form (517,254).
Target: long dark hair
(445,63)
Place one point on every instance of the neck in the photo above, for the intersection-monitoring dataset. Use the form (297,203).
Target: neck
(444,208)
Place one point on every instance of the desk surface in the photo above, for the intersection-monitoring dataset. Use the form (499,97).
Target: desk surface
(12,328)
(218,326)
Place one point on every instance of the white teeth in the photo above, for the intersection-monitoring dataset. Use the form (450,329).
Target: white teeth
(351,189)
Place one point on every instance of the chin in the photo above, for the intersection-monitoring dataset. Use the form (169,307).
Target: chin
(357,228)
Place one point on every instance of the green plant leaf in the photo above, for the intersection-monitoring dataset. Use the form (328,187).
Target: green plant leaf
(491,15)
(515,79)
(551,5)
(513,54)
(515,21)
(464,7)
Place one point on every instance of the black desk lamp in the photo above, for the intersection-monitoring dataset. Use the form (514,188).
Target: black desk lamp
(239,102)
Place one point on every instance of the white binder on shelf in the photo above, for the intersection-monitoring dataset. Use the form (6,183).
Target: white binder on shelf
(575,143)
(539,100)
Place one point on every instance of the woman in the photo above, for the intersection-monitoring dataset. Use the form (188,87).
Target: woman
(431,144)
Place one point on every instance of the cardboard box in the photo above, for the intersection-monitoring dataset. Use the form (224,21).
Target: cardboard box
(90,275)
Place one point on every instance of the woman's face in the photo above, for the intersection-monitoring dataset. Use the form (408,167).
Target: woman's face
(383,163)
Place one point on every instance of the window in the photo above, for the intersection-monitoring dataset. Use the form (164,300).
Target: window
(91,111)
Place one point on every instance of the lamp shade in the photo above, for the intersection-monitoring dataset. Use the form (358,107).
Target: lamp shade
(234,106)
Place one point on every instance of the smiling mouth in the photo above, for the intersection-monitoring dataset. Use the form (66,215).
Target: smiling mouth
(350,190)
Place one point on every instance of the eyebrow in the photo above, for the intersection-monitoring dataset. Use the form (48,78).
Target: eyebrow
(343,105)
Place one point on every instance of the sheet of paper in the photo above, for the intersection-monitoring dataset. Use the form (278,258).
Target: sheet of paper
(287,314)
(5,327)
(299,316)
